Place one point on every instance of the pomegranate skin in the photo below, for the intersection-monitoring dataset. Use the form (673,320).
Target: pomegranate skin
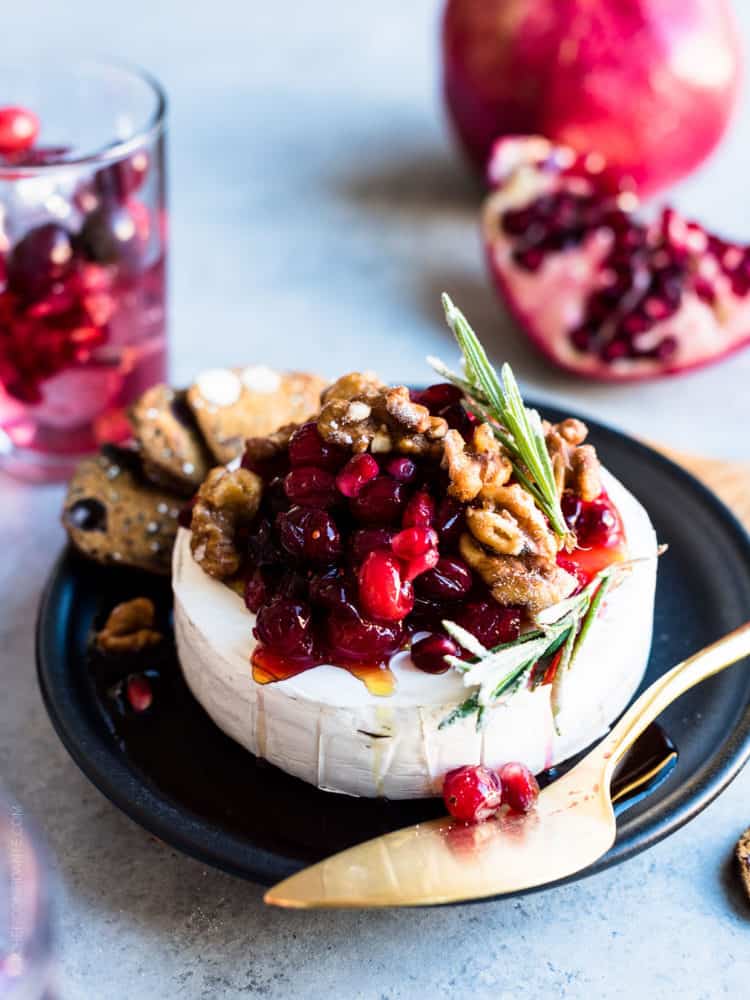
(650,84)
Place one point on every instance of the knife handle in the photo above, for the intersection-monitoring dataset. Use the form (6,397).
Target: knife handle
(668,688)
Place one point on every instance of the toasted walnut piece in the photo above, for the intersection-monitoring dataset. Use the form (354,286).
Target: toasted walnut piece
(511,522)
(472,468)
(262,449)
(361,413)
(574,464)
(227,502)
(527,581)
(742,854)
(355,385)
(129,628)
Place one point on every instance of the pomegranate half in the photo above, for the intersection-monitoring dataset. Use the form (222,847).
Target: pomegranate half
(599,291)
(649,83)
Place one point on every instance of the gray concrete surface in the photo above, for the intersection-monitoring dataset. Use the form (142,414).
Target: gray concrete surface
(317,212)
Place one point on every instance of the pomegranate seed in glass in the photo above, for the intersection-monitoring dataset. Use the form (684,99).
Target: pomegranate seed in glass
(82,258)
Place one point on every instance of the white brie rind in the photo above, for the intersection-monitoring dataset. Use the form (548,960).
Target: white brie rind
(325,727)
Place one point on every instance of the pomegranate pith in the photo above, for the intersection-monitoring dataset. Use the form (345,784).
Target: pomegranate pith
(600,292)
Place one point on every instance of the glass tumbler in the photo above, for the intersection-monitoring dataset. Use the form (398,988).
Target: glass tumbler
(83,238)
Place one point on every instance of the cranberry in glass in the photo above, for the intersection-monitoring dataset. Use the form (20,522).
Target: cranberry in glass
(472,793)
(489,622)
(520,787)
(449,581)
(419,511)
(310,486)
(42,257)
(365,540)
(310,534)
(449,522)
(360,469)
(437,397)
(120,180)
(412,542)
(402,468)
(110,235)
(307,447)
(351,636)
(383,592)
(380,502)
(429,653)
(285,626)
(18,129)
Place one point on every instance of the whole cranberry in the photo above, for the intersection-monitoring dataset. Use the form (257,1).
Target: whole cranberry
(333,589)
(360,469)
(472,793)
(520,787)
(307,447)
(256,591)
(489,622)
(310,534)
(383,592)
(449,581)
(310,486)
(285,626)
(598,524)
(437,397)
(262,549)
(110,235)
(18,129)
(571,506)
(42,257)
(365,540)
(449,522)
(429,653)
(350,636)
(379,503)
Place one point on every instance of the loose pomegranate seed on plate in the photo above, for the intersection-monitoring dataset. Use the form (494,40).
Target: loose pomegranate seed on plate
(520,789)
(429,653)
(138,692)
(360,469)
(472,793)
(383,592)
(18,129)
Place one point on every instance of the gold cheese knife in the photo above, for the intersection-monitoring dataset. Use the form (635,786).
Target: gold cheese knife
(444,861)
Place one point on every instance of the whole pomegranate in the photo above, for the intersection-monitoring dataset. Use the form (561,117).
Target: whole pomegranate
(649,84)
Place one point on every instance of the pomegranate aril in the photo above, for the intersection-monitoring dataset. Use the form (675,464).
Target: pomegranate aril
(412,542)
(520,789)
(383,592)
(418,565)
(310,486)
(451,580)
(490,623)
(429,653)
(139,693)
(420,511)
(379,503)
(18,129)
(307,447)
(360,469)
(472,793)
(365,540)
(310,534)
(350,636)
(285,626)
(402,469)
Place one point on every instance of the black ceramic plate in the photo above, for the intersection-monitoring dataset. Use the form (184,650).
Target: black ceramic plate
(194,788)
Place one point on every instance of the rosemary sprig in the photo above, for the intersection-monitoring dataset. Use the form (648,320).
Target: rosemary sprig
(498,401)
(496,674)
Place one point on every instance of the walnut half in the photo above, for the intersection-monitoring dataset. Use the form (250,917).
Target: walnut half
(129,628)
(227,502)
(575,464)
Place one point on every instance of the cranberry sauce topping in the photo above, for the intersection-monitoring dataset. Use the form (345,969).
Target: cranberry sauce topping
(351,558)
